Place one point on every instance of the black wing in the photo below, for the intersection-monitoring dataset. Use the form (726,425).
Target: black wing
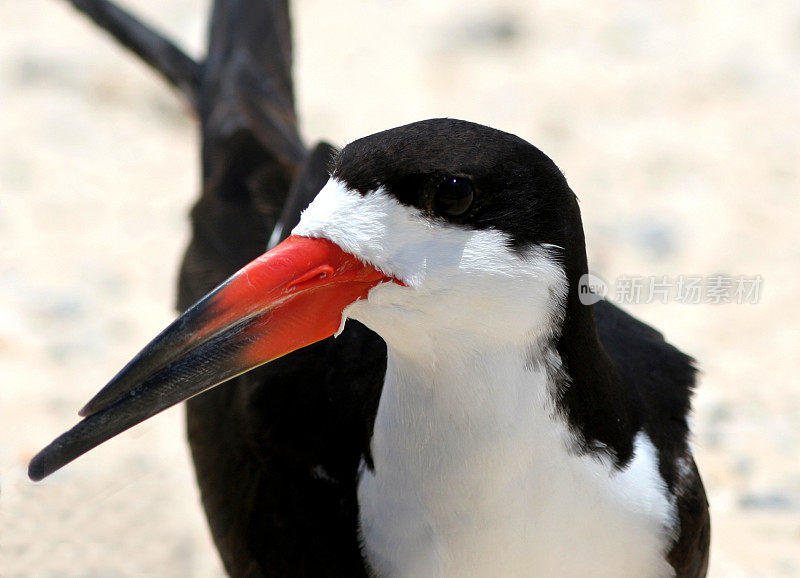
(664,378)
(277,450)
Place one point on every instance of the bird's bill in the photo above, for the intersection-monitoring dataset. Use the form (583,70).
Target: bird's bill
(289,297)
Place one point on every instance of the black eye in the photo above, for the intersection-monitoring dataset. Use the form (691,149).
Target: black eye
(454,196)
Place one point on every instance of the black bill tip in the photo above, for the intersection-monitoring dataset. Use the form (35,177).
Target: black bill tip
(211,363)
(66,447)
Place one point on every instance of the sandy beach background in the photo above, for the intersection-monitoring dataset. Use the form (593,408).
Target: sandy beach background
(677,124)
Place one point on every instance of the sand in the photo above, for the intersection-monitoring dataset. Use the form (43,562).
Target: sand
(677,125)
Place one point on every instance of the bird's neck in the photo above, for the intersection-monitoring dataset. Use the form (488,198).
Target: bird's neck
(469,409)
(465,385)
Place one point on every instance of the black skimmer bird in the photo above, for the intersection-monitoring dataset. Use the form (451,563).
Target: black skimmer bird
(496,426)
(470,417)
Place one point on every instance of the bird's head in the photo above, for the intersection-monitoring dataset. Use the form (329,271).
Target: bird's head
(434,232)
(473,222)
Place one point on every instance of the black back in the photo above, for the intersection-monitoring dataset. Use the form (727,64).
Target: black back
(664,378)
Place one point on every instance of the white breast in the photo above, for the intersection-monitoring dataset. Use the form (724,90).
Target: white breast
(475,473)
(471,480)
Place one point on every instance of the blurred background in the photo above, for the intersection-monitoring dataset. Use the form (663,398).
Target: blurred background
(677,124)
